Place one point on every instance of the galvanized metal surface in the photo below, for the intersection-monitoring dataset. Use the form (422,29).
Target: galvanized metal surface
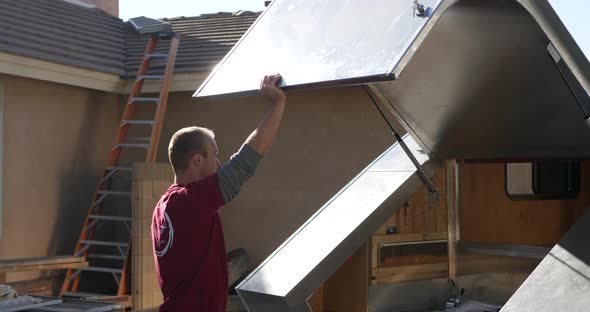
(308,42)
(75,305)
(478,73)
(290,275)
(561,282)
(482,85)
(574,16)
(578,93)
(29,305)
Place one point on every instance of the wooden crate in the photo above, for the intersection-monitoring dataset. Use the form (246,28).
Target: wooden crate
(150,181)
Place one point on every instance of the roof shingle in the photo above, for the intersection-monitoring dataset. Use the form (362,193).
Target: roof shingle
(61,32)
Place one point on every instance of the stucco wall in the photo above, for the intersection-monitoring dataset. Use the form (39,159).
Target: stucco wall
(56,140)
(326,138)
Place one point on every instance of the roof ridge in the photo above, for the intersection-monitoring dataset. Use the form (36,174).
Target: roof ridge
(240,13)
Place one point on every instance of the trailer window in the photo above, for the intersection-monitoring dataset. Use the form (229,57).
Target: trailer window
(543,180)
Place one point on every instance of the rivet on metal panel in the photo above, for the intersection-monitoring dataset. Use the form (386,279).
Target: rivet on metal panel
(419,9)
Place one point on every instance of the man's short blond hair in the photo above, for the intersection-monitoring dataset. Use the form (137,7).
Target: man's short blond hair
(185,143)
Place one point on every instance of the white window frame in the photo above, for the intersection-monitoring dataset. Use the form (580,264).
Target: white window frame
(519,183)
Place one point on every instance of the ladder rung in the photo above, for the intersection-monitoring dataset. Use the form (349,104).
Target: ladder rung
(139,145)
(144,99)
(137,122)
(112,171)
(109,218)
(105,256)
(103,243)
(140,139)
(156,55)
(119,168)
(117,193)
(150,77)
(99,269)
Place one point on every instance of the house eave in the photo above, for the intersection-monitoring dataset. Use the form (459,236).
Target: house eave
(27,67)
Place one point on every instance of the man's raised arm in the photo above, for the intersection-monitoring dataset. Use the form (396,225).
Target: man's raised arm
(262,137)
(242,165)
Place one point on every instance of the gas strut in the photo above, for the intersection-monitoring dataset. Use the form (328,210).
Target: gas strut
(431,187)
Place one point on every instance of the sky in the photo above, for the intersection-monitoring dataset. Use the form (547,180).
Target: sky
(574,14)
(173,8)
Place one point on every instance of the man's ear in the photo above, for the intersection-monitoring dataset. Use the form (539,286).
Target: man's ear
(197,159)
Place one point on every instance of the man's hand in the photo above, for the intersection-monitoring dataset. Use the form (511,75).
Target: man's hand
(269,89)
(261,139)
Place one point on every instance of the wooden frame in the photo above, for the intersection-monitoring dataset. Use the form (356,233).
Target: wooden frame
(395,274)
(42,264)
(39,264)
(406,273)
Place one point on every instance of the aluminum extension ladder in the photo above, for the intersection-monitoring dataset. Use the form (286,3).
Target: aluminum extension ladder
(109,254)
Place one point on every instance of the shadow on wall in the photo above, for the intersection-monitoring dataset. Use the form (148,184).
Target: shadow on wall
(77,185)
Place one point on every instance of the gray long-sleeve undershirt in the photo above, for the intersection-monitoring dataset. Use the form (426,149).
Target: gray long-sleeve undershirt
(234,173)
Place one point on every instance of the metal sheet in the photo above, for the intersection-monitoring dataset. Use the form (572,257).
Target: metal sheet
(561,282)
(578,93)
(26,306)
(483,86)
(328,42)
(475,73)
(290,275)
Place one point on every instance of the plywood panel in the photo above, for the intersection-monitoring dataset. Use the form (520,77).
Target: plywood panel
(347,289)
(423,213)
(488,215)
(424,217)
(317,300)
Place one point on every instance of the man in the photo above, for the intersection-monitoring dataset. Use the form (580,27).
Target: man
(188,244)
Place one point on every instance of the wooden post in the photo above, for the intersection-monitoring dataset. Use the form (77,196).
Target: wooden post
(453,202)
(150,181)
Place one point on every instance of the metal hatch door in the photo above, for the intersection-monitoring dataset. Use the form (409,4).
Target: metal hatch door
(339,42)
(286,279)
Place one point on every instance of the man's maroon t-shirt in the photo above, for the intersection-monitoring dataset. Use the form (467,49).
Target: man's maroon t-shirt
(189,247)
